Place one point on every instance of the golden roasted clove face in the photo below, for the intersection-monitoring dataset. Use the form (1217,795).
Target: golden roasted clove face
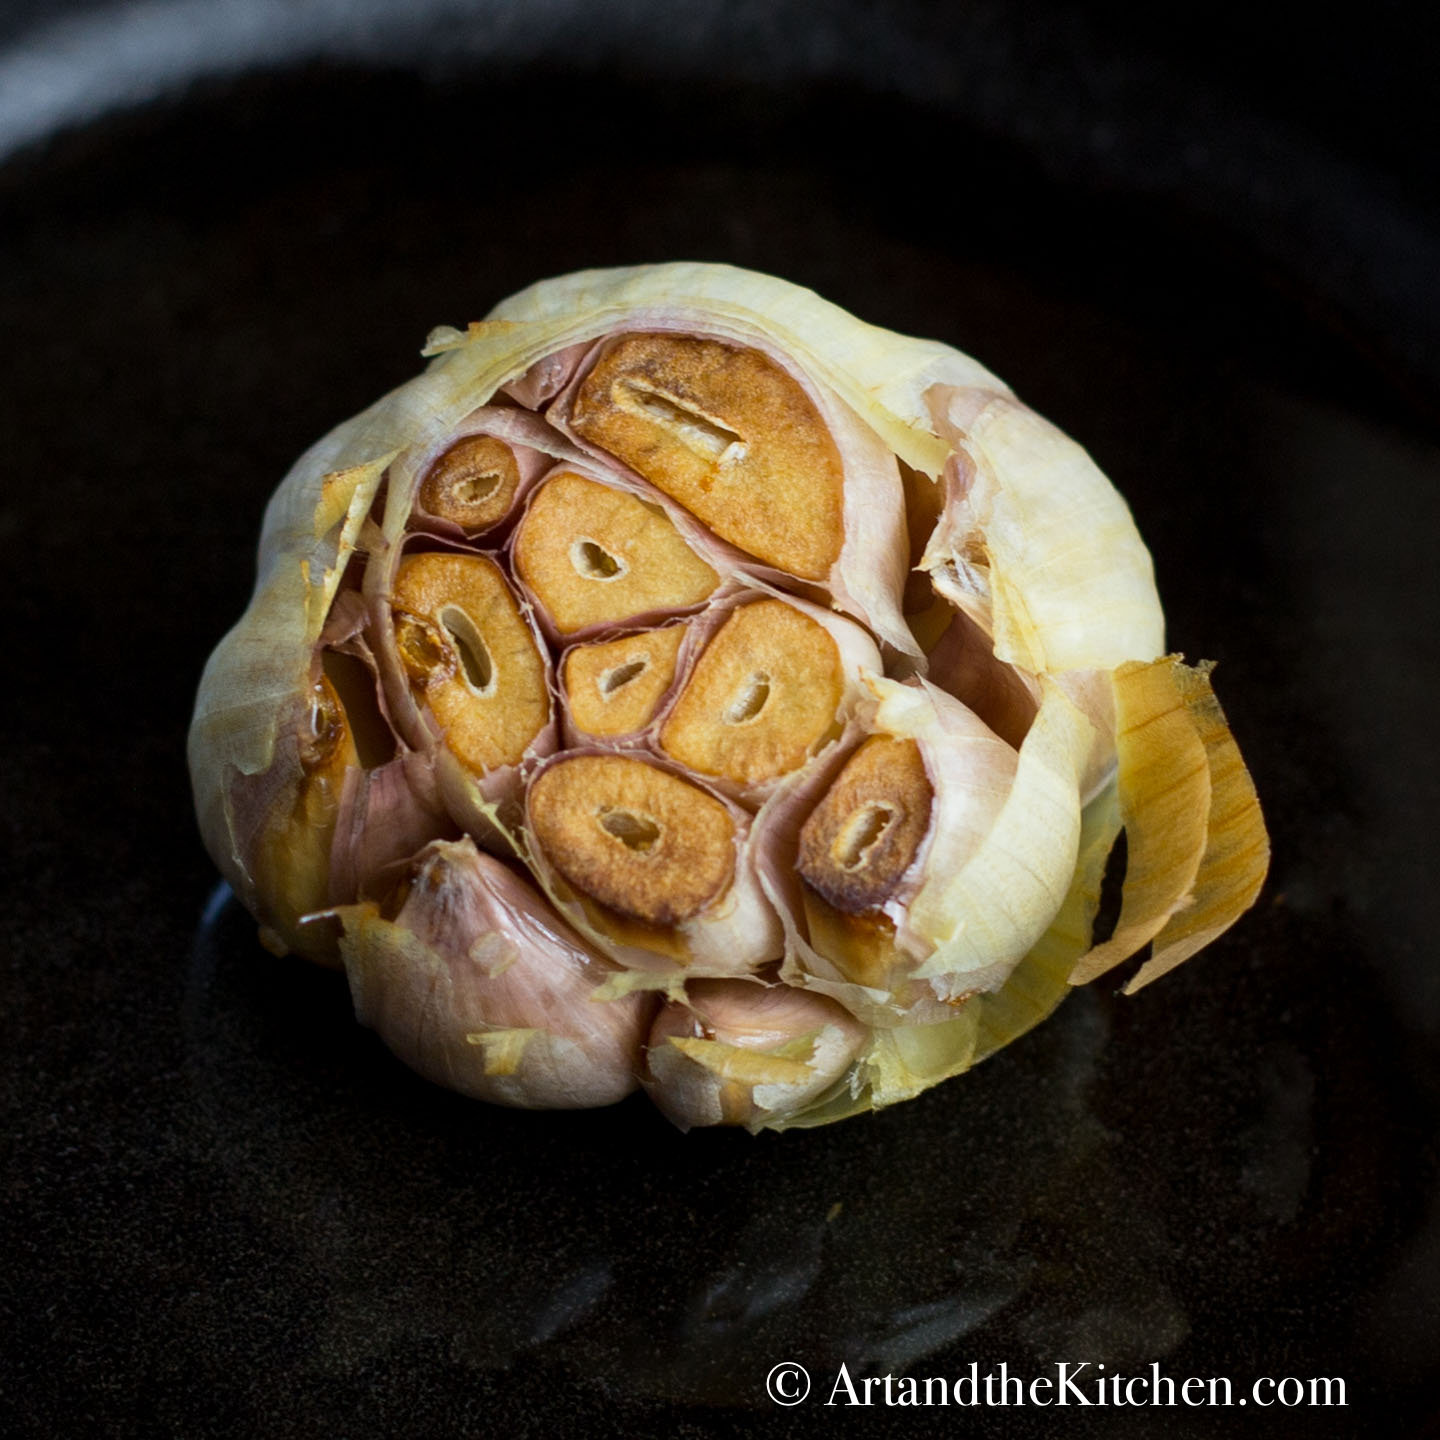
(598,556)
(761,698)
(854,851)
(727,433)
(472,484)
(865,834)
(634,837)
(614,686)
(470,656)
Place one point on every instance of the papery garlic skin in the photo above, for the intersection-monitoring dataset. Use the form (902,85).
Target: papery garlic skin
(1030,682)
(736,1053)
(474,985)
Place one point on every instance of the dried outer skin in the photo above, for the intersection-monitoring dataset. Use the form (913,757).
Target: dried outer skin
(1018,494)
(1197,838)
(1031,544)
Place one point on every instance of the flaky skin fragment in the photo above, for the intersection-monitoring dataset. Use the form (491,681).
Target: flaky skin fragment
(682,683)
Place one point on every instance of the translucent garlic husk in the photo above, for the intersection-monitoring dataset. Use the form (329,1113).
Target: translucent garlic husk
(1030,694)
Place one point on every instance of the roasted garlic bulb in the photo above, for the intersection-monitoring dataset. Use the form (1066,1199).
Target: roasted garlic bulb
(684,684)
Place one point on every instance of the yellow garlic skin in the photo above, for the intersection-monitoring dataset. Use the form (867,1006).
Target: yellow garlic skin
(1052,718)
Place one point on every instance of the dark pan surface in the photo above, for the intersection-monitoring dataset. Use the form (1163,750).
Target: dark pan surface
(229,1211)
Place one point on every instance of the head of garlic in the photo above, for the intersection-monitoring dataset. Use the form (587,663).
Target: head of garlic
(682,683)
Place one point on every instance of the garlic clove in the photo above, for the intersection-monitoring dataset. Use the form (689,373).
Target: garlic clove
(594,555)
(732,1052)
(858,851)
(727,433)
(613,688)
(655,870)
(767,682)
(761,698)
(469,657)
(472,484)
(633,837)
(477,985)
(860,842)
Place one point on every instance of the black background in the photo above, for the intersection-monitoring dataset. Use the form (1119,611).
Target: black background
(1202,240)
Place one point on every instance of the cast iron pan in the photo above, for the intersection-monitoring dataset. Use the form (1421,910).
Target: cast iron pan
(228,1210)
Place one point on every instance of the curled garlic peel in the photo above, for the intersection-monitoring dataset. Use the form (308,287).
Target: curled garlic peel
(682,683)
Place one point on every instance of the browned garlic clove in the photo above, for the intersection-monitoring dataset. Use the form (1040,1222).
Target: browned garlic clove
(964,664)
(613,688)
(472,484)
(857,853)
(593,555)
(730,435)
(761,699)
(655,869)
(736,1053)
(477,984)
(470,657)
(636,838)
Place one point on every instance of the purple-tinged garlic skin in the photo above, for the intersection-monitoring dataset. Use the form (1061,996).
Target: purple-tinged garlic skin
(479,986)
